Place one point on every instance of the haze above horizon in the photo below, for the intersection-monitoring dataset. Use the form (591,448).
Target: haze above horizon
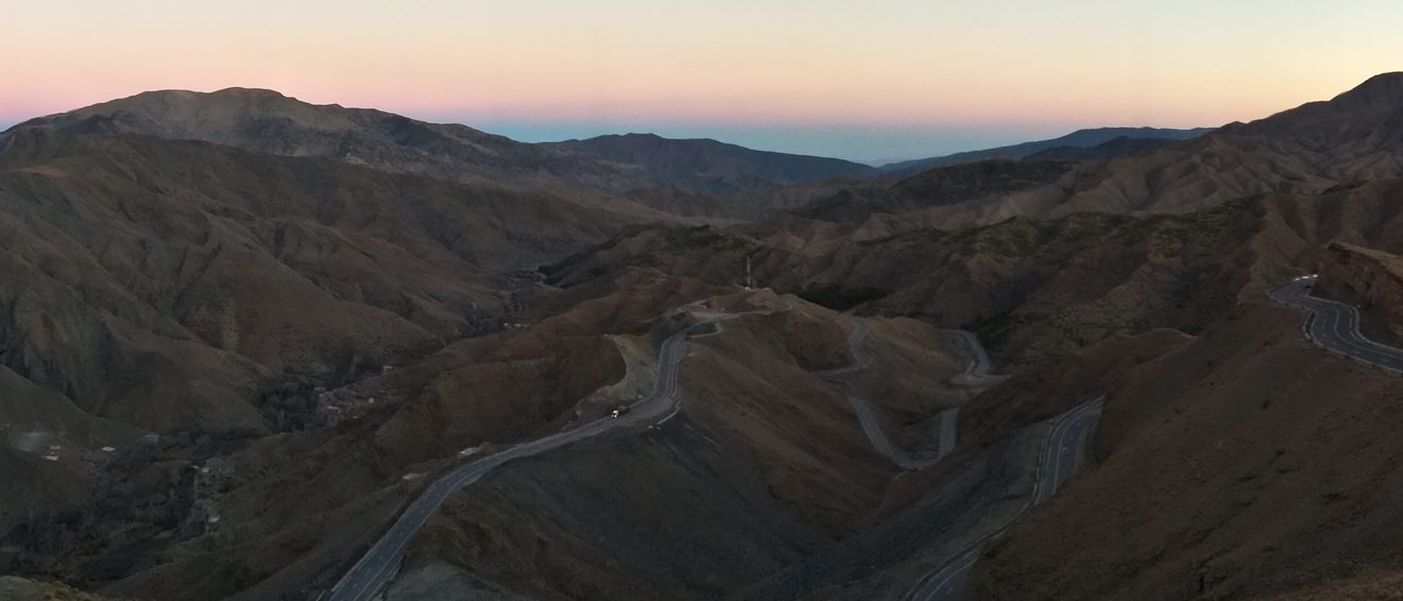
(869,81)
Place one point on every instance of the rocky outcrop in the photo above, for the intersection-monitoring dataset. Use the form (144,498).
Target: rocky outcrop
(1372,278)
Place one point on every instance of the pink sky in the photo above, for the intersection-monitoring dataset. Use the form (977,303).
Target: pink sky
(1029,66)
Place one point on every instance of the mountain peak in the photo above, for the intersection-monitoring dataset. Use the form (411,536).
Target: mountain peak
(1368,107)
(189,97)
(238,91)
(233,91)
(1380,92)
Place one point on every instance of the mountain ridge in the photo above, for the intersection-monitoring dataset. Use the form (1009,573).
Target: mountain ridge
(1354,137)
(284,337)
(628,148)
(269,122)
(753,182)
(1082,138)
(701,178)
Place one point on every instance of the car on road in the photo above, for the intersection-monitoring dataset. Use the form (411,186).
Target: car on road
(619,411)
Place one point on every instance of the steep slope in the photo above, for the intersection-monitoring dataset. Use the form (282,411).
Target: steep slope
(1355,137)
(20,589)
(1123,146)
(1082,138)
(1352,138)
(209,513)
(625,173)
(1241,463)
(742,481)
(267,122)
(1369,111)
(763,463)
(1030,287)
(170,305)
(245,363)
(168,282)
(1369,278)
(1245,465)
(997,180)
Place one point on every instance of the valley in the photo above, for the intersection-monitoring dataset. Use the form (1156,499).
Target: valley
(258,348)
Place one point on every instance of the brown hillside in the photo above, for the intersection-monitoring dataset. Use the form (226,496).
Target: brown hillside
(1352,138)
(1247,464)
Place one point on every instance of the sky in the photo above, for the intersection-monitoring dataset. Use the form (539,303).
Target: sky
(868,80)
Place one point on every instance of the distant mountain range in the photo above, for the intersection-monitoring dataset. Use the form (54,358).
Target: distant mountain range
(1356,136)
(1082,138)
(249,329)
(727,163)
(689,177)
(267,122)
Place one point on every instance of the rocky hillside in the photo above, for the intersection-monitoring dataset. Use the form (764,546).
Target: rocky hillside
(167,282)
(1353,138)
(1244,465)
(240,332)
(1369,278)
(685,177)
(776,474)
(184,327)
(1003,181)
(20,589)
(762,465)
(267,122)
(1031,287)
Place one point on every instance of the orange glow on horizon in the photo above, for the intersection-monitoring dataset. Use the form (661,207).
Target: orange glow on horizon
(893,63)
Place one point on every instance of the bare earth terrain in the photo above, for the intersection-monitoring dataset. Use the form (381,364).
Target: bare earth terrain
(253,348)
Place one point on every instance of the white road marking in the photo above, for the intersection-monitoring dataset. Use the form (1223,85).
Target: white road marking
(928,587)
(363,581)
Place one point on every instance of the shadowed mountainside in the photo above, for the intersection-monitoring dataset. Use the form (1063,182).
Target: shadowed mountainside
(687,177)
(247,329)
(267,122)
(726,167)
(1353,138)
(1030,287)
(166,282)
(1082,138)
(1123,146)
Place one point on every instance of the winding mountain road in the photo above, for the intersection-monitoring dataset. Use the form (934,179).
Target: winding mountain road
(374,571)
(978,366)
(1062,451)
(867,414)
(378,566)
(1334,326)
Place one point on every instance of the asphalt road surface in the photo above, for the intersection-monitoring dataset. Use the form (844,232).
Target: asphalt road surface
(1061,454)
(978,368)
(862,357)
(949,420)
(1334,326)
(374,571)
(1065,448)
(867,414)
